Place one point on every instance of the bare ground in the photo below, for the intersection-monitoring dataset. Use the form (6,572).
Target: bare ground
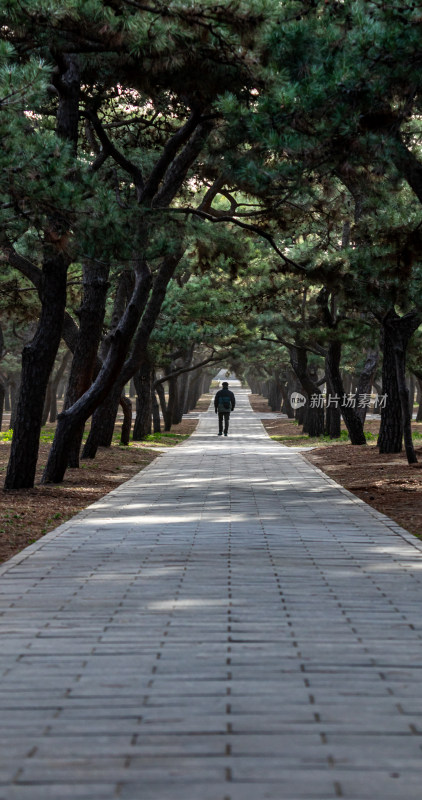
(385,482)
(28,514)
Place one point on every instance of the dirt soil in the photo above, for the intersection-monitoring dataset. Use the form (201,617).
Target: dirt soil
(28,514)
(385,482)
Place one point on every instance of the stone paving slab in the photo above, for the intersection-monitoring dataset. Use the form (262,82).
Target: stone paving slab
(230,624)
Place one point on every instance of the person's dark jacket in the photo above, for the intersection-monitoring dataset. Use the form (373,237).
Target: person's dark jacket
(224,393)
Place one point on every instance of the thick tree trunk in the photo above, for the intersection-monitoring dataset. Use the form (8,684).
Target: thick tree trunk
(37,362)
(399,330)
(311,415)
(400,358)
(333,422)
(70,420)
(139,308)
(313,420)
(102,423)
(390,435)
(352,421)
(195,389)
(274,393)
(84,362)
(287,406)
(332,412)
(171,404)
(143,386)
(127,420)
(365,382)
(162,398)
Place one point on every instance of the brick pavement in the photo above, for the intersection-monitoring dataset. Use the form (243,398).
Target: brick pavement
(228,625)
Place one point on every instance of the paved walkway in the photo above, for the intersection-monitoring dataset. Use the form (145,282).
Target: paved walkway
(228,625)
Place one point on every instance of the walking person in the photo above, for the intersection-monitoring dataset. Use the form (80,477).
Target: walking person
(224,403)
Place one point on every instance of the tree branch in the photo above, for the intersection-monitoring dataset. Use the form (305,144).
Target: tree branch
(109,149)
(167,156)
(178,372)
(246,226)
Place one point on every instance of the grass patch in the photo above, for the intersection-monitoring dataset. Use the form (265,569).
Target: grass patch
(166,438)
(301,439)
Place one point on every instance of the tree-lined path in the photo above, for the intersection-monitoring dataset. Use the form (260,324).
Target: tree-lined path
(228,625)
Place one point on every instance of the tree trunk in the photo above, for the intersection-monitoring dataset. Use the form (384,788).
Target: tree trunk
(411,383)
(70,420)
(137,323)
(37,362)
(332,412)
(352,421)
(400,330)
(127,420)
(171,404)
(84,362)
(102,423)
(2,397)
(55,385)
(162,398)
(312,415)
(143,386)
(313,420)
(47,403)
(155,411)
(365,382)
(390,435)
(287,406)
(14,389)
(419,411)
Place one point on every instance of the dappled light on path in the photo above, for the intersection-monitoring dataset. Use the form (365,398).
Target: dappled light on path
(228,625)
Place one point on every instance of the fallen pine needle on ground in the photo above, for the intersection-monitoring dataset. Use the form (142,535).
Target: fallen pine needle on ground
(28,514)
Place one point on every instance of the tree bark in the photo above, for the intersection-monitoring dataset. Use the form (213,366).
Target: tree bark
(390,435)
(84,362)
(47,403)
(55,385)
(37,362)
(14,389)
(365,382)
(419,411)
(69,421)
(332,412)
(352,421)
(127,420)
(2,397)
(312,416)
(143,386)
(162,398)
(156,421)
(397,333)
(171,404)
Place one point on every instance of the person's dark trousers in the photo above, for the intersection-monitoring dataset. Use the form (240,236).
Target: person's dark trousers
(226,416)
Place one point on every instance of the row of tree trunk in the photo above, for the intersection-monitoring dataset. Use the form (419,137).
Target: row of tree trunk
(397,387)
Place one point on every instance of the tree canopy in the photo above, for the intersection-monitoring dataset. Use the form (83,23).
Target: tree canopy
(190,183)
